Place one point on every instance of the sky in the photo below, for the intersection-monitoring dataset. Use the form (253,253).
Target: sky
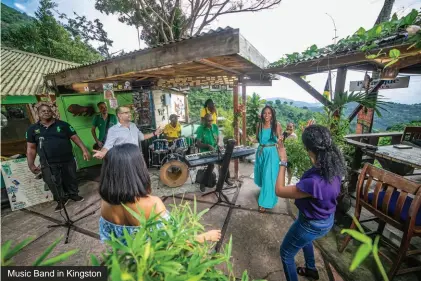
(291,27)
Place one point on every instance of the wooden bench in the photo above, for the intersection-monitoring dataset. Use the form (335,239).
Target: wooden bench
(395,201)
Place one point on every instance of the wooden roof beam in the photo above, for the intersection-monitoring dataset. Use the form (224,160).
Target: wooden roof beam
(219,66)
(306,86)
(359,107)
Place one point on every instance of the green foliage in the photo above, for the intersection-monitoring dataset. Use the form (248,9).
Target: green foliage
(297,155)
(44,35)
(169,252)
(7,253)
(362,40)
(254,106)
(367,247)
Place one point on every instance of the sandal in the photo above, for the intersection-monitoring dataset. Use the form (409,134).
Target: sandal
(306,272)
(262,210)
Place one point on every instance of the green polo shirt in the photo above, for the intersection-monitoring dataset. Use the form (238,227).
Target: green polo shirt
(208,136)
(100,123)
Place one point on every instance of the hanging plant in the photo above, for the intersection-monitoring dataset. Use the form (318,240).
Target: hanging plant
(406,29)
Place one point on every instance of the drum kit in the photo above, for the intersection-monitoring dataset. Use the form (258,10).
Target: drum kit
(169,158)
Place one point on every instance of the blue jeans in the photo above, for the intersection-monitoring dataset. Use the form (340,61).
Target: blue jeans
(300,236)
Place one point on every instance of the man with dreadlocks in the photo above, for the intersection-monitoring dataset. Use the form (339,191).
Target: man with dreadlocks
(266,166)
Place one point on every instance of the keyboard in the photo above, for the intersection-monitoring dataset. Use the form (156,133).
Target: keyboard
(204,158)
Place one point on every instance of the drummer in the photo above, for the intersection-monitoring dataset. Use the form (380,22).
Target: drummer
(172,130)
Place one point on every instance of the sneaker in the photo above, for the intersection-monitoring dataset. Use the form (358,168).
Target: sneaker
(202,188)
(76,198)
(60,205)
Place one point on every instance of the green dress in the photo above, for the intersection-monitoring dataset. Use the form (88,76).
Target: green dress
(266,169)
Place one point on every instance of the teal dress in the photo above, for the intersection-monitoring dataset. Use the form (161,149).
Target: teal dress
(266,168)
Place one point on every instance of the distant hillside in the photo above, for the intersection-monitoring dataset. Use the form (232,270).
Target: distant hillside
(394,114)
(12,16)
(296,103)
(11,21)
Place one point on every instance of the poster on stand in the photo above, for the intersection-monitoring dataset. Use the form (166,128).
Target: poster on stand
(113,103)
(23,189)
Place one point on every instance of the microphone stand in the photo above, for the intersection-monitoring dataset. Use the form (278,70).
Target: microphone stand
(67,221)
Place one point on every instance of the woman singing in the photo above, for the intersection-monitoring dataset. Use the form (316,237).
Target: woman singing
(266,166)
(315,197)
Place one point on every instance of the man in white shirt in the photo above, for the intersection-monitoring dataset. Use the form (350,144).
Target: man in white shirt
(124,132)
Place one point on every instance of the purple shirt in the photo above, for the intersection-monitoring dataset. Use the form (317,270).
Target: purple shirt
(322,202)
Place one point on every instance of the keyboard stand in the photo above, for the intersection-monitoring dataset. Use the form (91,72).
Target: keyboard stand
(222,198)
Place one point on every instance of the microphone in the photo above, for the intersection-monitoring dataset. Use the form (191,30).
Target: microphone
(41,139)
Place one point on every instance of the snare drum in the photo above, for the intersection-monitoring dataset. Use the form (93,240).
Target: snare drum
(181,144)
(160,145)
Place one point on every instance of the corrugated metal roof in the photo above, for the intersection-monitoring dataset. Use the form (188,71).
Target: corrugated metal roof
(202,34)
(22,73)
(338,49)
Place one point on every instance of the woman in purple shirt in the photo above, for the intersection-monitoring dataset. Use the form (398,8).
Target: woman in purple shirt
(315,197)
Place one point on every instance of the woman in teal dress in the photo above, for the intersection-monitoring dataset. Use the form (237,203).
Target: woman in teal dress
(266,166)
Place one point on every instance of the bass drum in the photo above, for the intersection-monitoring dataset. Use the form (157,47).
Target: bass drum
(174,173)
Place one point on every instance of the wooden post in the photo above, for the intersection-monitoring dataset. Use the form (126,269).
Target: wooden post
(355,166)
(236,136)
(244,95)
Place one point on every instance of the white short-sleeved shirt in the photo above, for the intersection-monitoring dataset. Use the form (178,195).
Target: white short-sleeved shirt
(118,134)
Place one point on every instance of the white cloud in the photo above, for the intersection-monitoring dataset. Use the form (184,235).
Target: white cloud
(20,7)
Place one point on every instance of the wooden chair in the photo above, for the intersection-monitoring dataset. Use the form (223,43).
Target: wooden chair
(411,134)
(395,201)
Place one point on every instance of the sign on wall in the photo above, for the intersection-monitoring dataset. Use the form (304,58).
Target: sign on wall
(178,107)
(400,82)
(22,188)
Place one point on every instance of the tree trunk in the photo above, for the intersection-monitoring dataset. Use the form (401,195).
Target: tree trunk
(386,11)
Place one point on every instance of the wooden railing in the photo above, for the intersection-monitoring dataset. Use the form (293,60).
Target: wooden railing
(362,142)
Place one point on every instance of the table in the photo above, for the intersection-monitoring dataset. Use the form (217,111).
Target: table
(399,161)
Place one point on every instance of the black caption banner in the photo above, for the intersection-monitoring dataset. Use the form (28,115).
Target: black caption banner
(61,273)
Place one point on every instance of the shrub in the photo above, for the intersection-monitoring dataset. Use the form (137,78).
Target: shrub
(169,252)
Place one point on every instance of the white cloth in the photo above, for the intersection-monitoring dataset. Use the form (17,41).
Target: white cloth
(118,134)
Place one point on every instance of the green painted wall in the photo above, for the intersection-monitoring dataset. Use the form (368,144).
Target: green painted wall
(83,124)
(18,99)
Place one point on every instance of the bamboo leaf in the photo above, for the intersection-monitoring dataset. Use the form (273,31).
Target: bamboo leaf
(17,248)
(362,253)
(358,236)
(59,258)
(391,63)
(47,251)
(377,258)
(357,223)
(245,276)
(5,249)
(115,269)
(94,260)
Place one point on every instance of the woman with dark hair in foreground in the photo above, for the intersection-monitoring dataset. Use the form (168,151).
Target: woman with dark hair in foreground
(315,197)
(125,180)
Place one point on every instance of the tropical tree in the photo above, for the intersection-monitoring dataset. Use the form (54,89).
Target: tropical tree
(168,20)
